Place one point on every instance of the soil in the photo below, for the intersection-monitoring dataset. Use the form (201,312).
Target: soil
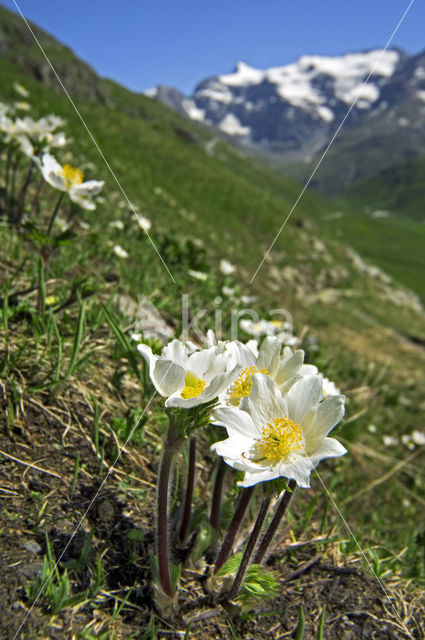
(109,514)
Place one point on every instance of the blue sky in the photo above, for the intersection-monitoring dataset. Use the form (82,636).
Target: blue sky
(143,43)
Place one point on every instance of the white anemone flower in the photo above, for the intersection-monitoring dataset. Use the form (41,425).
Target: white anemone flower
(274,436)
(282,367)
(329,387)
(198,275)
(22,106)
(189,379)
(70,180)
(226,267)
(418,437)
(119,251)
(143,222)
(21,90)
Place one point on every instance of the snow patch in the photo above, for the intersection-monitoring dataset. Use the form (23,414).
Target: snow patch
(193,111)
(243,75)
(231,125)
(216,91)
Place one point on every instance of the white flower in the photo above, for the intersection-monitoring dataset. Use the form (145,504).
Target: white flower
(389,441)
(282,367)
(229,292)
(22,106)
(248,299)
(119,251)
(116,224)
(198,275)
(418,437)
(70,180)
(226,267)
(144,223)
(274,436)
(329,387)
(21,90)
(270,328)
(189,379)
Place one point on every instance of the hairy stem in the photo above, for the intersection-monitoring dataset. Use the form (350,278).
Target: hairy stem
(171,445)
(54,214)
(279,513)
(216,499)
(226,547)
(249,548)
(189,490)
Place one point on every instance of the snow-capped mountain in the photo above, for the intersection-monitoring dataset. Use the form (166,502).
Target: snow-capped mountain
(292,112)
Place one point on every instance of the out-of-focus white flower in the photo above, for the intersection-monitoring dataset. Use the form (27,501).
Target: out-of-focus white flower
(270,328)
(16,131)
(116,224)
(229,292)
(418,437)
(4,109)
(70,180)
(189,379)
(406,439)
(119,251)
(248,299)
(389,441)
(21,90)
(272,435)
(198,275)
(226,267)
(62,224)
(371,428)
(329,387)
(22,106)
(144,223)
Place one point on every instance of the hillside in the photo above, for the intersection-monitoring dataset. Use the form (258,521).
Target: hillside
(400,190)
(73,386)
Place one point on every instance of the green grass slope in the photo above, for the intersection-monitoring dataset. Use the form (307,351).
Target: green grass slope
(399,189)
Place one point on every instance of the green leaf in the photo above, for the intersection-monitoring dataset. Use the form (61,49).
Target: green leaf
(231,566)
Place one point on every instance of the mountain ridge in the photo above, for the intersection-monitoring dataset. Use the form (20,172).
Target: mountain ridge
(289,114)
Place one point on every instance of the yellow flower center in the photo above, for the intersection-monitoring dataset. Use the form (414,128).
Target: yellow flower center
(242,386)
(281,437)
(194,386)
(71,176)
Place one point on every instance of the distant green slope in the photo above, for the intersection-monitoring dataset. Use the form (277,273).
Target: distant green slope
(400,189)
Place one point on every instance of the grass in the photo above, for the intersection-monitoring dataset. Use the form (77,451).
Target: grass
(74,388)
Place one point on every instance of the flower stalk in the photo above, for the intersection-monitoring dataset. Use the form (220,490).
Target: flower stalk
(226,547)
(279,513)
(249,548)
(217,491)
(189,490)
(54,214)
(171,445)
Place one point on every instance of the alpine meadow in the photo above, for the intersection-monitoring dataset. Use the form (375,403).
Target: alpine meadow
(211,388)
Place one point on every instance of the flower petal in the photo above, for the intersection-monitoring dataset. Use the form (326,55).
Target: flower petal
(302,396)
(168,377)
(268,355)
(236,422)
(330,448)
(325,416)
